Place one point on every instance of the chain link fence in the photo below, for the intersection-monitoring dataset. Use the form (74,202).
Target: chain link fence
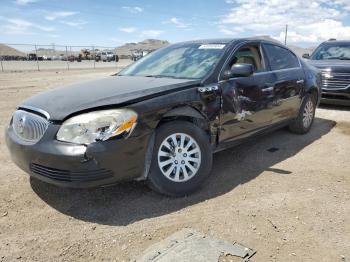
(19,57)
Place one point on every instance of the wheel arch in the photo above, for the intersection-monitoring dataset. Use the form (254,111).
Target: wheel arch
(314,92)
(185,113)
(313,81)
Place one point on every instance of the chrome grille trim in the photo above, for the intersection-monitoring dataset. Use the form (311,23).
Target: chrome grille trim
(334,80)
(34,109)
(29,127)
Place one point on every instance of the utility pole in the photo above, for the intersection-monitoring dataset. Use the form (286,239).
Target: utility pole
(37,60)
(53,49)
(67,58)
(94,56)
(2,67)
(285,35)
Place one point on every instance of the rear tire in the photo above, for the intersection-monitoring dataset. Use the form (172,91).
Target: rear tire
(182,159)
(305,118)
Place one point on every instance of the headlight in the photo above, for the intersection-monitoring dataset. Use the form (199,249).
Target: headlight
(97,126)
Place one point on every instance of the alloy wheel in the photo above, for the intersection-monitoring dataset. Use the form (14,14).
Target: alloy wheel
(308,114)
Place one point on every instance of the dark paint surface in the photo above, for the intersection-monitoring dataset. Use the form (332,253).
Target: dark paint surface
(229,110)
(122,158)
(113,90)
(287,93)
(246,106)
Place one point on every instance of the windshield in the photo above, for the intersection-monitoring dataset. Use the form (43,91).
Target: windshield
(327,52)
(192,61)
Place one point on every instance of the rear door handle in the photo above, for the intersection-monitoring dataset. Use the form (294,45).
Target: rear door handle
(301,81)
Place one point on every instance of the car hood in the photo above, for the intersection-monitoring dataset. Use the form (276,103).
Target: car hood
(333,65)
(61,102)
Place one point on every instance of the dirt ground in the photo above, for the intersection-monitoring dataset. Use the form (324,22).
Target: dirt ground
(292,204)
(9,66)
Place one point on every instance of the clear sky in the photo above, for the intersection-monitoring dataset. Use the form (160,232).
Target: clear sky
(114,22)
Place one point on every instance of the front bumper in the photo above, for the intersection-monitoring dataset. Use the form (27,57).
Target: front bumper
(70,165)
(336,96)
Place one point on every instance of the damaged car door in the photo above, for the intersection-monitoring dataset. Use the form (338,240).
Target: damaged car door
(247,94)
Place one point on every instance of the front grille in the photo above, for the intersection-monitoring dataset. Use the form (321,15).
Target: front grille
(333,80)
(70,176)
(28,126)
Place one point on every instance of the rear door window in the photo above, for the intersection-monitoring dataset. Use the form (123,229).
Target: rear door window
(280,58)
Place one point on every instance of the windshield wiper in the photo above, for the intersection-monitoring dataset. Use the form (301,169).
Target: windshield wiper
(338,58)
(159,76)
(150,76)
(167,76)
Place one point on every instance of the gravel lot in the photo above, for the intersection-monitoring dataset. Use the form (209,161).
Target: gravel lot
(8,66)
(289,205)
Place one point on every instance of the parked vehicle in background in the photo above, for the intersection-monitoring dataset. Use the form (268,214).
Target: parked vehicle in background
(71,58)
(105,56)
(137,54)
(98,57)
(110,56)
(85,54)
(62,57)
(333,59)
(13,58)
(161,119)
(31,57)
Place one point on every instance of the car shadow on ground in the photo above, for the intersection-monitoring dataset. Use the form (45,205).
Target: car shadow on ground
(334,107)
(130,202)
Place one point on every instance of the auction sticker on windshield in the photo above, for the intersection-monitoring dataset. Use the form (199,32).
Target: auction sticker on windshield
(212,46)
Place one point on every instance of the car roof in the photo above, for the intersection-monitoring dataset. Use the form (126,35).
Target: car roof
(261,39)
(210,41)
(337,42)
(231,40)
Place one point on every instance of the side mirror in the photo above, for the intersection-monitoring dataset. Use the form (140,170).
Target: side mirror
(306,56)
(239,70)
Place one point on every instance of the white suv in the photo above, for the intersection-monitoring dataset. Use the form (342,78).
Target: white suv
(105,56)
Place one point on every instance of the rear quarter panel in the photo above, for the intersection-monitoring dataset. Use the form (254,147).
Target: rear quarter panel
(313,79)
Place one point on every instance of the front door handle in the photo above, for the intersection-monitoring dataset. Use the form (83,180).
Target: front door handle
(301,81)
(268,89)
(208,89)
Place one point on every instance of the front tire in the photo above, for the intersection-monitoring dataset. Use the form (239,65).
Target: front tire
(182,159)
(305,118)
